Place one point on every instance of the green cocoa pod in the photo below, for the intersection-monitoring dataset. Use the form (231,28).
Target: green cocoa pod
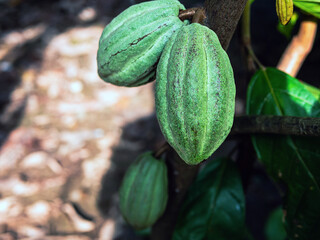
(144,191)
(284,10)
(195,93)
(131,45)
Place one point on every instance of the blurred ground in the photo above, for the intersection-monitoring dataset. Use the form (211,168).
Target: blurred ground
(60,125)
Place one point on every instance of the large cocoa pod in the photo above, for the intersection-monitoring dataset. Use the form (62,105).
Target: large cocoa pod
(144,191)
(131,45)
(195,93)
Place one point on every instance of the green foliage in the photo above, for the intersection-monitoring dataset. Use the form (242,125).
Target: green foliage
(294,161)
(286,30)
(274,228)
(309,6)
(195,93)
(215,205)
(144,232)
(313,90)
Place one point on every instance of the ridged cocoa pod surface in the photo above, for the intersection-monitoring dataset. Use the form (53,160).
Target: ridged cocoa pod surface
(144,191)
(195,93)
(284,10)
(131,45)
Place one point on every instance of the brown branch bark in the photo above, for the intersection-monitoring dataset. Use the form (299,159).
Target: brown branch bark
(196,15)
(222,17)
(299,48)
(187,14)
(199,16)
(180,176)
(285,125)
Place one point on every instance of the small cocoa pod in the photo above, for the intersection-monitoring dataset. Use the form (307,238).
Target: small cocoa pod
(144,191)
(284,10)
(131,45)
(195,93)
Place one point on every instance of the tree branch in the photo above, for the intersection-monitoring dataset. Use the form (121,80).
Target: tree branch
(181,175)
(223,19)
(298,126)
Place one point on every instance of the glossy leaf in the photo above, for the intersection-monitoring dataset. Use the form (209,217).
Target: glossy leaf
(313,90)
(215,205)
(274,228)
(286,30)
(310,6)
(294,161)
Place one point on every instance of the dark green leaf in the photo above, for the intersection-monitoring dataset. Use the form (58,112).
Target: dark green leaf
(215,205)
(144,232)
(310,6)
(313,90)
(286,30)
(274,229)
(294,161)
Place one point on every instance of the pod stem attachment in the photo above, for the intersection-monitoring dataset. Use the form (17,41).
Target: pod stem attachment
(199,16)
(196,15)
(187,14)
(165,147)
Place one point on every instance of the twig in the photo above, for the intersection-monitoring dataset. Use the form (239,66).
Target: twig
(165,147)
(299,48)
(246,39)
(246,35)
(284,125)
(245,24)
(187,14)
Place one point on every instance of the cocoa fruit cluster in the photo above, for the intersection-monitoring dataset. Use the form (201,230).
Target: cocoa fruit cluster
(195,93)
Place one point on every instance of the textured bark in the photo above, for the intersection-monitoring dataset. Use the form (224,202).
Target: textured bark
(180,176)
(222,17)
(298,126)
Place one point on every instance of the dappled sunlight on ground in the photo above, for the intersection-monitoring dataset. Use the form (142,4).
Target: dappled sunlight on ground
(59,126)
